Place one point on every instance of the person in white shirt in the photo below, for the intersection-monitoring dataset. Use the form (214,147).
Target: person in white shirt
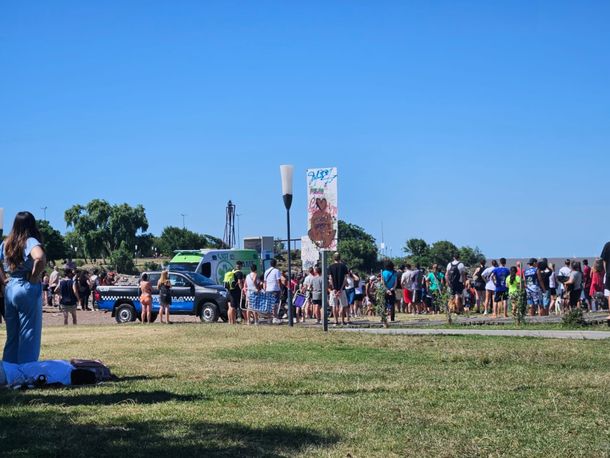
(306,289)
(456,280)
(563,276)
(490,286)
(271,281)
(407,288)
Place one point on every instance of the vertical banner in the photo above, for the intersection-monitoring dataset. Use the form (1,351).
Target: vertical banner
(322,210)
(310,255)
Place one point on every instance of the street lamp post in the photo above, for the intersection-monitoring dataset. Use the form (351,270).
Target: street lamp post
(286,172)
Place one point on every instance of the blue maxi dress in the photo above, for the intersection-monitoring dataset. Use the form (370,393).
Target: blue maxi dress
(23,310)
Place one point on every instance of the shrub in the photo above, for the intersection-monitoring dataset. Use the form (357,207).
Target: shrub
(122,261)
(574,318)
(151,265)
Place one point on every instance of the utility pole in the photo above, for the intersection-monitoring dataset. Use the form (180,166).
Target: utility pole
(238,235)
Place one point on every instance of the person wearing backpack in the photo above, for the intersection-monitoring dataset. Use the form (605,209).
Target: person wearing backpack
(68,296)
(234,282)
(479,283)
(456,275)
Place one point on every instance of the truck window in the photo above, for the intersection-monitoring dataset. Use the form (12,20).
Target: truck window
(206,269)
(178,280)
(154,279)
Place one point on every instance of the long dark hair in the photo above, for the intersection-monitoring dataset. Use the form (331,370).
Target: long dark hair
(24,227)
(513,274)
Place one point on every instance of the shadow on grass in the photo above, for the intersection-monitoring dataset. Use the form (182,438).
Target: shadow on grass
(73,397)
(135,378)
(54,433)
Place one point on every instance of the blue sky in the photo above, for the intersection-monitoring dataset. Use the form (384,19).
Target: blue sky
(485,123)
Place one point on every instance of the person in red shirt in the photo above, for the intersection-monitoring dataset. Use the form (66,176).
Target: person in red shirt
(596,288)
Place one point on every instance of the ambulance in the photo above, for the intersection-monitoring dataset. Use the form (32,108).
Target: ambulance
(213,263)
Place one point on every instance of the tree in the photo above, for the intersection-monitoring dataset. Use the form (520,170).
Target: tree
(442,252)
(145,243)
(358,249)
(72,241)
(418,252)
(175,238)
(102,228)
(122,260)
(214,242)
(54,243)
(471,256)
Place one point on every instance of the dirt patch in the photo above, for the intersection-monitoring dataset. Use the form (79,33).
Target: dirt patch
(52,316)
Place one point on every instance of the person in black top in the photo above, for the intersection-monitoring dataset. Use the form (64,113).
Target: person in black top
(338,280)
(84,289)
(606,258)
(235,289)
(68,296)
(545,275)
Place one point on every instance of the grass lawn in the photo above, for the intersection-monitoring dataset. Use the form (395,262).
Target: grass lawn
(212,390)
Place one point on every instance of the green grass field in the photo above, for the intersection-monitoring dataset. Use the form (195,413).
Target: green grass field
(210,390)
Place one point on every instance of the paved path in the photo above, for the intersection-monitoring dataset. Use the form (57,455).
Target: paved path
(547,334)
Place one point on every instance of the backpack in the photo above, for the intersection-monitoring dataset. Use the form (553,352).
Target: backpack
(99,369)
(455,277)
(229,279)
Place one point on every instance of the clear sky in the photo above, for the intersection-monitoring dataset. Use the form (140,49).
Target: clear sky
(484,123)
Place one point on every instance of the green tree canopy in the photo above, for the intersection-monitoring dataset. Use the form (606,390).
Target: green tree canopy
(102,228)
(442,253)
(54,243)
(418,252)
(358,249)
(175,238)
(471,256)
(121,260)
(71,241)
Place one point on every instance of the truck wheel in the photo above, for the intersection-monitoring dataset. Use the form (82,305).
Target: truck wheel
(209,312)
(125,313)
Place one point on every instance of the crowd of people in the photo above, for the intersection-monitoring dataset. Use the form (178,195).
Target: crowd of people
(493,289)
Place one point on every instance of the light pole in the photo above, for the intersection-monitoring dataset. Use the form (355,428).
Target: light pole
(1,222)
(44,209)
(183,225)
(238,239)
(286,172)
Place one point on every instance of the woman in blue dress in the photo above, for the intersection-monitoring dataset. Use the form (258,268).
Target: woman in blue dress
(24,259)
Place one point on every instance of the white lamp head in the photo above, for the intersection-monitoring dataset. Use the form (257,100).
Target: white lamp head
(287,172)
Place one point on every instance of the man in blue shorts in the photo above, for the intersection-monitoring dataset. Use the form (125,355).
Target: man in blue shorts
(533,286)
(498,276)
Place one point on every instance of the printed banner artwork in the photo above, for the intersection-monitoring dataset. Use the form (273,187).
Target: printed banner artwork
(310,254)
(322,210)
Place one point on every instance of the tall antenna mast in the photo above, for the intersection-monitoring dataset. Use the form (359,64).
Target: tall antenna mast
(229,237)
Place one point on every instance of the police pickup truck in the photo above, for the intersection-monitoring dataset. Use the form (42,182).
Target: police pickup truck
(192,294)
